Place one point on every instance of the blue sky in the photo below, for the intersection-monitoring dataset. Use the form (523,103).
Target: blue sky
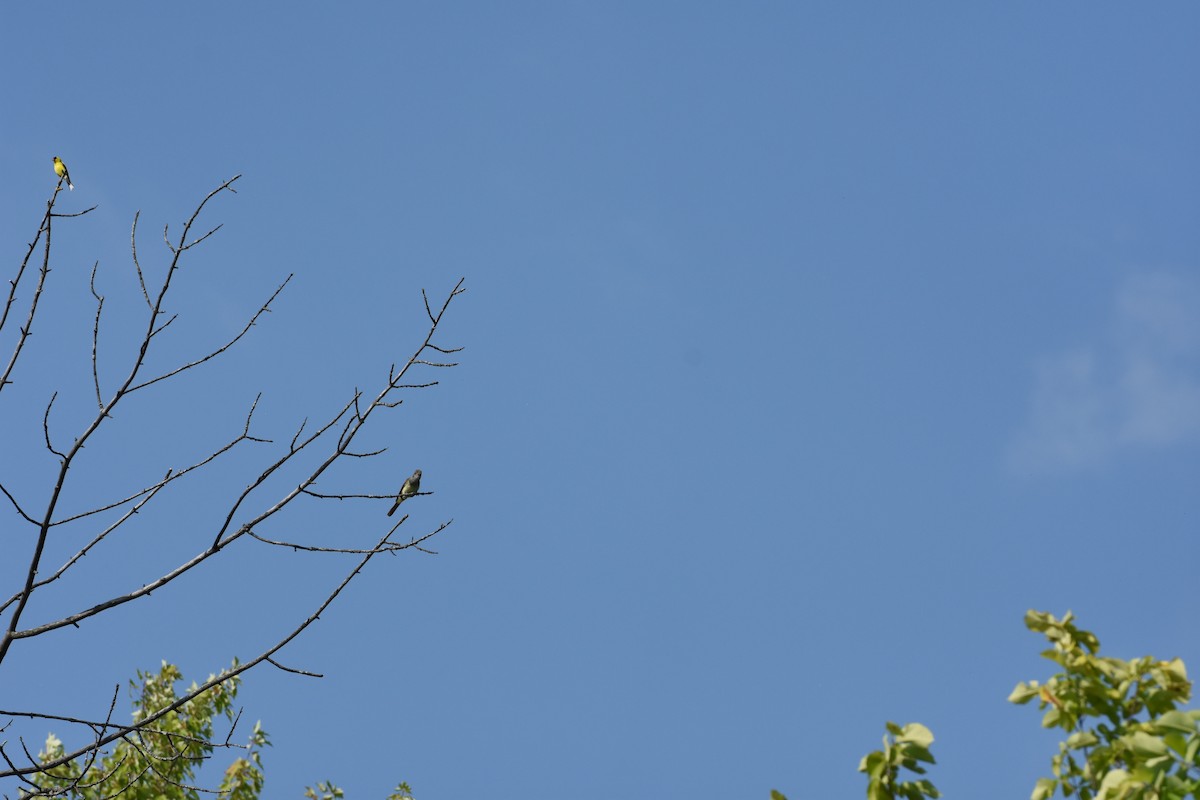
(807,346)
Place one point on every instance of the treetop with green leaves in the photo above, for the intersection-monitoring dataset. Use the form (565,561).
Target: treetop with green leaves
(1127,736)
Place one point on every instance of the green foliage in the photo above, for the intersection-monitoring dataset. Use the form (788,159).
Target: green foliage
(1126,735)
(326,790)
(1127,738)
(401,792)
(160,762)
(903,749)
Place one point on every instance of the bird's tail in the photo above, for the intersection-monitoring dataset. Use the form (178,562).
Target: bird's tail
(394,507)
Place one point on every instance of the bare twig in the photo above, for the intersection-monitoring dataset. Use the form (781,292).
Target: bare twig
(164,326)
(195,242)
(299,431)
(46,426)
(137,265)
(96,334)
(42,228)
(17,505)
(390,547)
(75,214)
(305,672)
(387,496)
(12,284)
(174,475)
(265,308)
(83,551)
(27,328)
(425,297)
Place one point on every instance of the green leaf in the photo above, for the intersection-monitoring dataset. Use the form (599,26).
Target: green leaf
(1176,721)
(1193,747)
(1176,669)
(1177,743)
(1081,739)
(1037,621)
(928,789)
(1024,693)
(918,753)
(404,792)
(1145,745)
(870,761)
(1113,783)
(916,733)
(1045,788)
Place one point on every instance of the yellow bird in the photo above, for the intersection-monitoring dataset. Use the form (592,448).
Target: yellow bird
(60,169)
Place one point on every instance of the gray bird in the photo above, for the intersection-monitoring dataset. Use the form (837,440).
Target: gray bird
(411,486)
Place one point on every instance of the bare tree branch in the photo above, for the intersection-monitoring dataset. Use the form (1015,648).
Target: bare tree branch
(66,460)
(83,551)
(246,515)
(27,328)
(265,308)
(202,688)
(353,424)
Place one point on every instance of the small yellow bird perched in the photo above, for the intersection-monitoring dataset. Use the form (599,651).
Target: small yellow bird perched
(60,169)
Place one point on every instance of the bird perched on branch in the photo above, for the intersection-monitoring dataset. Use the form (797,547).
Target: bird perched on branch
(60,169)
(411,486)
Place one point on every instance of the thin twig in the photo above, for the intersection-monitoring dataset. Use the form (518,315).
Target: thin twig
(17,505)
(387,496)
(83,551)
(136,264)
(27,328)
(305,672)
(46,426)
(265,308)
(96,334)
(390,547)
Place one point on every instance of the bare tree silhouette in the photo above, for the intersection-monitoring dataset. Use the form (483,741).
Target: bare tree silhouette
(29,524)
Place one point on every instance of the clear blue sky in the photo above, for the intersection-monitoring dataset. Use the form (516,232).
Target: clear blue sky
(807,346)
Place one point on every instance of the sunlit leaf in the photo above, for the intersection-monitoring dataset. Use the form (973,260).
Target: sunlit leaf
(916,733)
